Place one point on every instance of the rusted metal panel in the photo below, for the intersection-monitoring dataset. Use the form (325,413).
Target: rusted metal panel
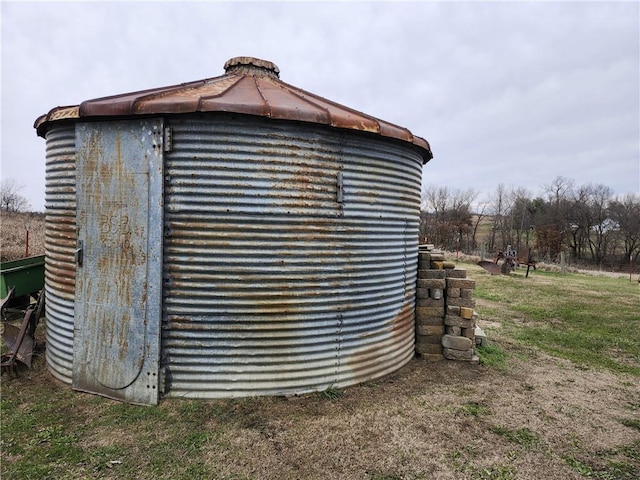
(118,295)
(250,86)
(284,259)
(60,241)
(56,115)
(272,285)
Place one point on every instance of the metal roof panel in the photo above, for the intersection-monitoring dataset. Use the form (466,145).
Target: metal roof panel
(250,86)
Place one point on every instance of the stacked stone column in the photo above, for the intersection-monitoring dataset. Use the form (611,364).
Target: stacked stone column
(445,316)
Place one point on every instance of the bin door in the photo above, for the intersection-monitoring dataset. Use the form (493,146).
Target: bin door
(119,190)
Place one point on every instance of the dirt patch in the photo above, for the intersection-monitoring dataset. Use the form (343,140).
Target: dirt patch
(418,423)
(540,418)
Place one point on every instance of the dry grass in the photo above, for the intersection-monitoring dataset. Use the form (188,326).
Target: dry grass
(539,418)
(13,234)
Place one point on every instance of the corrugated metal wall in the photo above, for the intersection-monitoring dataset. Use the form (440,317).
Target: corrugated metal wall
(272,286)
(60,244)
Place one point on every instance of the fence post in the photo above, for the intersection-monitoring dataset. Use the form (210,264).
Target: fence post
(26,248)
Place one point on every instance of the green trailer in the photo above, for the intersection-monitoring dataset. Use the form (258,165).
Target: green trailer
(26,275)
(20,282)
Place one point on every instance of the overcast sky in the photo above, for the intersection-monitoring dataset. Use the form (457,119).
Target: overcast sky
(516,93)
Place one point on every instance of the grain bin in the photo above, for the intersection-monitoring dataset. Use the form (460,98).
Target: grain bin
(228,237)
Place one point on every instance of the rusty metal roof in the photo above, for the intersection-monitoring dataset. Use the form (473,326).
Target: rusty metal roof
(249,86)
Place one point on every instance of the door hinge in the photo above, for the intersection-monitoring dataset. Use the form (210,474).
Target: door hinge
(162,380)
(168,139)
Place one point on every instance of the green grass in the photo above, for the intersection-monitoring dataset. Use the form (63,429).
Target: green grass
(615,464)
(475,409)
(331,393)
(494,472)
(45,440)
(522,436)
(41,440)
(592,321)
(492,356)
(631,422)
(465,461)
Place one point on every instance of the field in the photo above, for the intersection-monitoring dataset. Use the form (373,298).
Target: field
(556,396)
(13,240)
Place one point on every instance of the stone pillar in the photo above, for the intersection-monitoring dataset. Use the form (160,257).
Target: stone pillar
(445,316)
(430,312)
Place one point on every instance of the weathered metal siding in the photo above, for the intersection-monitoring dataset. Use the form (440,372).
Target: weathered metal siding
(273,283)
(119,282)
(60,244)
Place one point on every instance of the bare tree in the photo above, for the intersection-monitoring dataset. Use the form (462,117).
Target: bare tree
(479,215)
(578,222)
(602,227)
(585,220)
(446,216)
(11,200)
(521,212)
(625,212)
(460,218)
(552,224)
(498,210)
(513,213)
(435,200)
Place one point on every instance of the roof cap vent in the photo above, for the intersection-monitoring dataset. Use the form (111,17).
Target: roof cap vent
(252,66)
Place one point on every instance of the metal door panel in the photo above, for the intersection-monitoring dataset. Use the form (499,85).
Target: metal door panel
(118,294)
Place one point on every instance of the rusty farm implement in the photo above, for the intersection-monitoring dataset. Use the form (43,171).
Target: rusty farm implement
(21,307)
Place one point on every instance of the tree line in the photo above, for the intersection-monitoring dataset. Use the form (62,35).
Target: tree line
(588,223)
